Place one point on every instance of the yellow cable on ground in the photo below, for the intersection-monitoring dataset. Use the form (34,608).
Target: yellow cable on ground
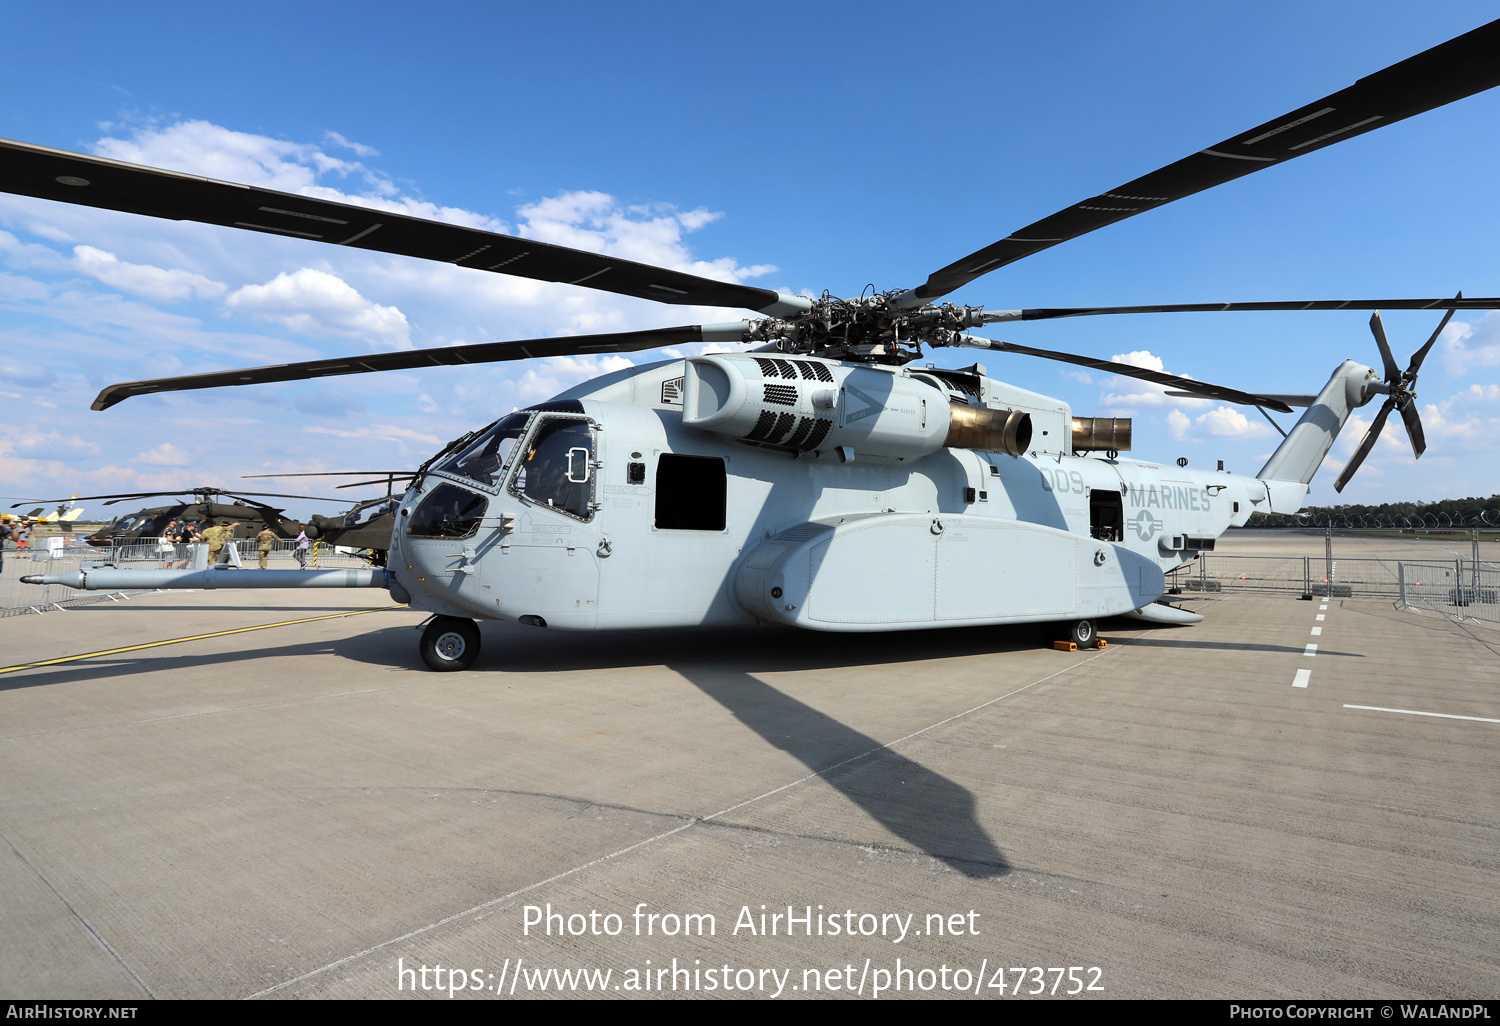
(195,637)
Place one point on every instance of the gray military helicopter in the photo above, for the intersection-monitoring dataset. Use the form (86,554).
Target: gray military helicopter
(822,479)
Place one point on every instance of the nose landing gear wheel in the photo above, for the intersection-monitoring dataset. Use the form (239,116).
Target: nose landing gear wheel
(450,643)
(1082,633)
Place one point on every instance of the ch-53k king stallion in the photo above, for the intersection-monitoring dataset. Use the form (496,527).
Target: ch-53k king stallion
(822,479)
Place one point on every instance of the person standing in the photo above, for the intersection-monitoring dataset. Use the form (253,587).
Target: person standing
(303,544)
(5,533)
(167,545)
(215,536)
(182,542)
(264,543)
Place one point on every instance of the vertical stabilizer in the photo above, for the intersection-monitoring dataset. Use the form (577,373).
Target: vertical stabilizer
(1297,459)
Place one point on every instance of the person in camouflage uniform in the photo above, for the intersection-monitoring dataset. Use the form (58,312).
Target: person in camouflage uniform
(217,537)
(214,535)
(264,543)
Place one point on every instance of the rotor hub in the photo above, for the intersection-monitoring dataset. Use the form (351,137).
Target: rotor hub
(870,329)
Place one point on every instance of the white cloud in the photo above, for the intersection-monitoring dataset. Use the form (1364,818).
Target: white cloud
(1467,347)
(1134,393)
(1467,420)
(22,372)
(1228,422)
(203,148)
(156,283)
(546,378)
(359,148)
(1219,422)
(164,455)
(1178,425)
(596,222)
(318,303)
(378,432)
(30,255)
(52,445)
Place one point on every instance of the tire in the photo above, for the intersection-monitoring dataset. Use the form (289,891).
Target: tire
(450,643)
(1082,633)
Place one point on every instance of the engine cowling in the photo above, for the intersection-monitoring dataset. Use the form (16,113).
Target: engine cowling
(801,404)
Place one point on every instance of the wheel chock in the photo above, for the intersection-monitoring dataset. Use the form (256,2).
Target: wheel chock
(1065,646)
(1101,643)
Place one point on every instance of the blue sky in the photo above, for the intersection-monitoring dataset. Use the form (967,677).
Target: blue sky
(795,146)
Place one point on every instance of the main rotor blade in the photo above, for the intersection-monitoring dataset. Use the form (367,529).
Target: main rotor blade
(379,481)
(180,493)
(1377,328)
(1202,388)
(480,352)
(336,473)
(41,171)
(1365,445)
(1050,313)
(122,495)
(1421,354)
(1447,72)
(274,495)
(1414,430)
(1290,398)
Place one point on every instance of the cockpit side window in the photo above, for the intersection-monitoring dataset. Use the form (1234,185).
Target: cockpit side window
(556,469)
(447,512)
(486,458)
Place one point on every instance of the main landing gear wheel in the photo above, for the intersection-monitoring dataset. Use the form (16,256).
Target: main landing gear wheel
(1082,633)
(450,643)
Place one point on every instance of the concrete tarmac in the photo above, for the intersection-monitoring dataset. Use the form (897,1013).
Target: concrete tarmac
(304,811)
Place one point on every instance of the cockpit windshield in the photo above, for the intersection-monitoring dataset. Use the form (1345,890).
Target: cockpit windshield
(362,515)
(486,458)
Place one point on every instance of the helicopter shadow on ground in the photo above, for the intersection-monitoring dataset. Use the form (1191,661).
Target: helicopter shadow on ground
(925,809)
(750,649)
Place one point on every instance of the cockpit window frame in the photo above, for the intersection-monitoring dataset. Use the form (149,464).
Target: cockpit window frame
(524,444)
(506,471)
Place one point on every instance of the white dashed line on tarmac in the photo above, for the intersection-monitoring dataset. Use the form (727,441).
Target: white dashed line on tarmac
(1303,676)
(1320,616)
(1415,712)
(1316,631)
(1311,650)
(1323,606)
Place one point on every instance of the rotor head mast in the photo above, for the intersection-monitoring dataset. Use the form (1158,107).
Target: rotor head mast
(870,329)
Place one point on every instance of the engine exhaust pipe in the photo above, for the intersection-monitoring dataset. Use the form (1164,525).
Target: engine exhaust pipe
(977,427)
(1101,434)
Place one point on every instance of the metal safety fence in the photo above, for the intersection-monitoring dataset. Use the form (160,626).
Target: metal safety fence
(1463,588)
(17,598)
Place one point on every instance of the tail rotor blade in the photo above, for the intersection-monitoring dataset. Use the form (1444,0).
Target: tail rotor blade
(1414,428)
(1365,446)
(1377,328)
(1421,354)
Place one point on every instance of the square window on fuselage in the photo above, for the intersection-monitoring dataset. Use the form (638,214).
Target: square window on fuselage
(690,493)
